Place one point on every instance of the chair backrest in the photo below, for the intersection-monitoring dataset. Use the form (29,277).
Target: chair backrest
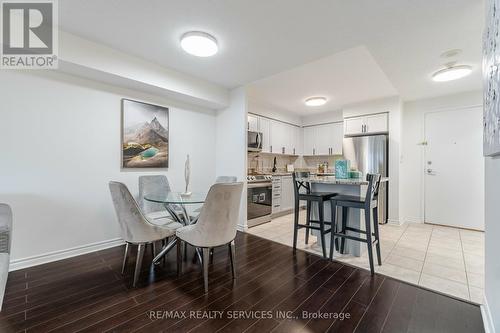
(299,182)
(373,187)
(152,185)
(5,228)
(226,179)
(219,215)
(135,228)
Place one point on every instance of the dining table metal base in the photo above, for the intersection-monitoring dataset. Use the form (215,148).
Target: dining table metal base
(164,251)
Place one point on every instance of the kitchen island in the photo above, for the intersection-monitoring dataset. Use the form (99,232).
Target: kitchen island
(355,187)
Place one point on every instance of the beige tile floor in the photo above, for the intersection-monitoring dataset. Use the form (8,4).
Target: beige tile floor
(448,260)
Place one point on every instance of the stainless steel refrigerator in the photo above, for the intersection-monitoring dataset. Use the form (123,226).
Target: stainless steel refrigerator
(370,154)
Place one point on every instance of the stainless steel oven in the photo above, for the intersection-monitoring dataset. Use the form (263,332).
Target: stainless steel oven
(259,199)
(254,141)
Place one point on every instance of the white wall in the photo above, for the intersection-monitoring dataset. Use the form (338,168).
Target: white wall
(412,153)
(60,140)
(492,246)
(392,105)
(231,137)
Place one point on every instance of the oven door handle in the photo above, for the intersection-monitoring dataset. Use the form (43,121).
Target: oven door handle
(260,185)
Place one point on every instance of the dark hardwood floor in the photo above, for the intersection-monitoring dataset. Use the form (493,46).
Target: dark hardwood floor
(274,291)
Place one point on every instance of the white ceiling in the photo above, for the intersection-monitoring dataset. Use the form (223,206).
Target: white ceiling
(259,39)
(344,78)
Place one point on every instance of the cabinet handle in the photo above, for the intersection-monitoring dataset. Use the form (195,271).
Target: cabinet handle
(314,151)
(271,148)
(282,150)
(294,151)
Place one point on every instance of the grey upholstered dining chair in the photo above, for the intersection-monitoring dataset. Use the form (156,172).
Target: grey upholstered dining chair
(218,180)
(216,225)
(135,227)
(226,179)
(153,185)
(5,244)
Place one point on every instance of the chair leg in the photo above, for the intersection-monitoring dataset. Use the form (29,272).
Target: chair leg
(375,229)
(125,257)
(206,254)
(138,263)
(345,218)
(369,239)
(233,258)
(153,249)
(321,207)
(308,220)
(179,257)
(333,227)
(296,225)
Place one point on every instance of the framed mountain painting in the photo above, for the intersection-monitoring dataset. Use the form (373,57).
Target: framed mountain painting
(144,135)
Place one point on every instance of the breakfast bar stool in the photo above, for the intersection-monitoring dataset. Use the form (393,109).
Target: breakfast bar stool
(300,181)
(368,204)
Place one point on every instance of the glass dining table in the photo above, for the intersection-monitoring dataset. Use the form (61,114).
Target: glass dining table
(176,205)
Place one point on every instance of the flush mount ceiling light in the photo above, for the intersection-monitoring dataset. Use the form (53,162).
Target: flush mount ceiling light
(315,101)
(199,44)
(452,73)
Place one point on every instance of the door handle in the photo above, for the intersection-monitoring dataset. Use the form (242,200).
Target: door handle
(430,172)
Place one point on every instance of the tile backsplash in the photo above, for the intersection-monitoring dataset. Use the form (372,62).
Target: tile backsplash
(263,162)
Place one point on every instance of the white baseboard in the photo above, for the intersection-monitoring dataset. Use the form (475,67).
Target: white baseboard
(393,222)
(243,228)
(487,319)
(63,254)
(414,220)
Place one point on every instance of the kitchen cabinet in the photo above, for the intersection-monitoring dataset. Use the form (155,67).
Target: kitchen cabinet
(283,138)
(283,196)
(276,208)
(265,129)
(370,124)
(287,195)
(297,140)
(309,140)
(323,139)
(252,123)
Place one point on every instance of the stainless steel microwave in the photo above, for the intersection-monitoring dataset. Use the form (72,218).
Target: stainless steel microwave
(254,141)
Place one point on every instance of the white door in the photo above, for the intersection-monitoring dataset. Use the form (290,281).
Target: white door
(376,123)
(454,168)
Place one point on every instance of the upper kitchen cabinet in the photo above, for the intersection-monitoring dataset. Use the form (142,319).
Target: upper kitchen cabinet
(265,129)
(323,139)
(371,124)
(309,140)
(253,123)
(297,140)
(283,138)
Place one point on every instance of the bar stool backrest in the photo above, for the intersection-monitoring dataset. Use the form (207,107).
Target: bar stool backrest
(300,183)
(373,187)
